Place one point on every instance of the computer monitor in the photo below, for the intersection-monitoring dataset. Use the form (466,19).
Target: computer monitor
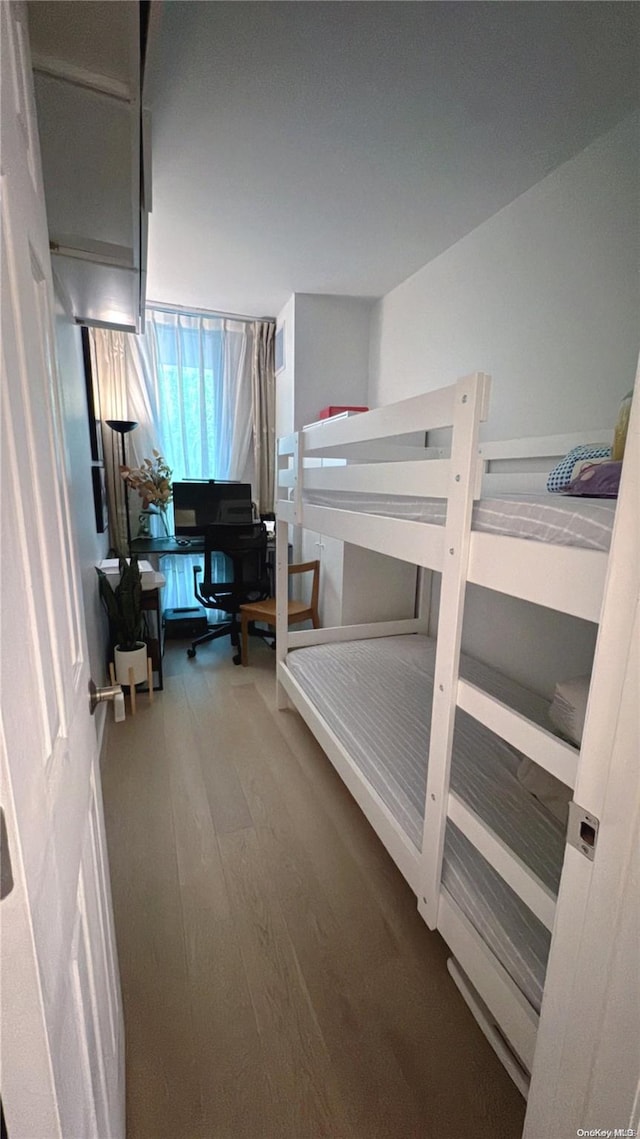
(198,504)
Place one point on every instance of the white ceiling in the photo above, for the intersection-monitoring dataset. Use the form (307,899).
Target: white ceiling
(337,147)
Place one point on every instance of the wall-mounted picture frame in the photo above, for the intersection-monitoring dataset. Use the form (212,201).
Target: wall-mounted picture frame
(93,399)
(99,484)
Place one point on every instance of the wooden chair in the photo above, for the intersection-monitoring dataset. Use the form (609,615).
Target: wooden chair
(266,610)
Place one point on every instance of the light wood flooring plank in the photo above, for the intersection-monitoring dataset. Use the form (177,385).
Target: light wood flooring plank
(163,1090)
(236,1095)
(334,961)
(228,806)
(333,947)
(300,1070)
(439,1048)
(315,831)
(326,788)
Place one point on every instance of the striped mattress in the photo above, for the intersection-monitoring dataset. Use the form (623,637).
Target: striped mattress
(551,518)
(376,697)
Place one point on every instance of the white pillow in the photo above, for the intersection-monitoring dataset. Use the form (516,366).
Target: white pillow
(569,707)
(555,795)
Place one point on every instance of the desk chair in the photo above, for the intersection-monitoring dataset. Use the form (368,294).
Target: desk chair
(265,611)
(245,547)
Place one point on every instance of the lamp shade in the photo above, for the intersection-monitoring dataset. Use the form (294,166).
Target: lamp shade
(122,426)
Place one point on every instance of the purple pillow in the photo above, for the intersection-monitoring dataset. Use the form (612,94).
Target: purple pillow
(597,480)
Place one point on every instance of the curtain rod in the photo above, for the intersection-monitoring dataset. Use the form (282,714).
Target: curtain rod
(162,307)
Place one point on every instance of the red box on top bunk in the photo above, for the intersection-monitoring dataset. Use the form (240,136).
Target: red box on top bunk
(327,412)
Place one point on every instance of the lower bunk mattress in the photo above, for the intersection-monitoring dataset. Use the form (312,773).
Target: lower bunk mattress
(376,697)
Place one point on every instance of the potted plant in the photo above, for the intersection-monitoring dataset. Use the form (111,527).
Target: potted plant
(152,480)
(123,605)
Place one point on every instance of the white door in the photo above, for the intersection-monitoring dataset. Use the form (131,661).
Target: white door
(62,1032)
(586,1073)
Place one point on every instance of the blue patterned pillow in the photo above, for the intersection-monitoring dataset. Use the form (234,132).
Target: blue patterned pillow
(560,476)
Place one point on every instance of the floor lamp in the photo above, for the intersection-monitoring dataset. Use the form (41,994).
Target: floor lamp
(122,427)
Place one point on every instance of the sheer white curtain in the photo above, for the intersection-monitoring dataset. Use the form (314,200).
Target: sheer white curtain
(203,376)
(204,381)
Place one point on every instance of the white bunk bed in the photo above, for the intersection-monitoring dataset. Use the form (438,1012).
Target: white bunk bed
(483,857)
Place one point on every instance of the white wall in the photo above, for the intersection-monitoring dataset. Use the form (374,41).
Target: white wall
(544,296)
(326,357)
(326,360)
(331,353)
(91,546)
(286,375)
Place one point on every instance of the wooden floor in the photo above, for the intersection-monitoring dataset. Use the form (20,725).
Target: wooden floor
(277,980)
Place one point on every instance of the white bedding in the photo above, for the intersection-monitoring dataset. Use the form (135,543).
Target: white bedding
(376,696)
(552,518)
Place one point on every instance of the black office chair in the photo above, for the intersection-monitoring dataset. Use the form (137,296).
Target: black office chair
(245,548)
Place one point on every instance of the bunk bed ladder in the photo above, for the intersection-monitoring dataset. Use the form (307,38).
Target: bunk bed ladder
(581,1042)
(470,408)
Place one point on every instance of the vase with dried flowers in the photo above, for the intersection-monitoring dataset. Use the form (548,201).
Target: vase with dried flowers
(152,480)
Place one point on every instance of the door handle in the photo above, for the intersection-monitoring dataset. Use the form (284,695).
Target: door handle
(109,692)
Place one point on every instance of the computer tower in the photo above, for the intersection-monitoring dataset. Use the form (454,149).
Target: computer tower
(187,622)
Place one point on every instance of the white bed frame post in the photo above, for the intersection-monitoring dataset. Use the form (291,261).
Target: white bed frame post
(291,447)
(424,584)
(298,463)
(470,408)
(282,596)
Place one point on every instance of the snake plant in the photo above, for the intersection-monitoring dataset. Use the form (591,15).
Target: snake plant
(123,604)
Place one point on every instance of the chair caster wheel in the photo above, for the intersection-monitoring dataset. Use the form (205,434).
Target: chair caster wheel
(191,653)
(237,659)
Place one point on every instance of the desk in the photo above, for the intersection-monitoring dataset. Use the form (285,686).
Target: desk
(159,547)
(155,645)
(169,545)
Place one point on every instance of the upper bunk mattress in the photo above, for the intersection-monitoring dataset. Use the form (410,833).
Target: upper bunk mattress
(376,696)
(556,519)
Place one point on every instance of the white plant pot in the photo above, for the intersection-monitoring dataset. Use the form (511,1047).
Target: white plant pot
(135,659)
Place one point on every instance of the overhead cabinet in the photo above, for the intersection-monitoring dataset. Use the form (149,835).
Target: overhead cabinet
(87,60)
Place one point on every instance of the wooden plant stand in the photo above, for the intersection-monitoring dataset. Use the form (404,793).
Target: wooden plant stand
(132,685)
